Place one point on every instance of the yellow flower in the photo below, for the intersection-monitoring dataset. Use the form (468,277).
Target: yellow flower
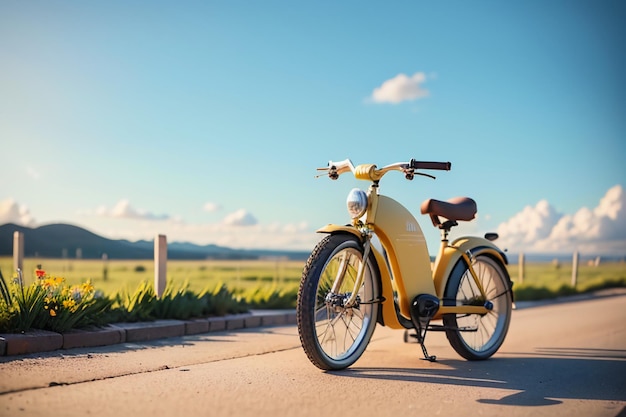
(70,304)
(87,287)
(51,282)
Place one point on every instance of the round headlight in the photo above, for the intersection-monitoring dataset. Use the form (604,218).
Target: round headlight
(357,203)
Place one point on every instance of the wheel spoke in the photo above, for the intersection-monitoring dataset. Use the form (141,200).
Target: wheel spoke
(335,336)
(492,326)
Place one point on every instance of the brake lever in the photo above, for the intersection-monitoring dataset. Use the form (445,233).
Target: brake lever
(326,169)
(426,175)
(331,172)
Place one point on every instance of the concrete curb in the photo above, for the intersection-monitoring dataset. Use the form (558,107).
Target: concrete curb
(36,341)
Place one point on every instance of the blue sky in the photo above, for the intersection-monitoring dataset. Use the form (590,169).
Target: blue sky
(205,120)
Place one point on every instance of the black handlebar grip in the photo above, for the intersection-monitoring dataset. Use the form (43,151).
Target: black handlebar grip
(441,166)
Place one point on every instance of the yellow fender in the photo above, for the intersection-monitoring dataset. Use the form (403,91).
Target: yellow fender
(334,228)
(452,253)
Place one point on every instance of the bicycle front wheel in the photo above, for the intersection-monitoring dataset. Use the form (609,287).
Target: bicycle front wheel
(334,335)
(475,336)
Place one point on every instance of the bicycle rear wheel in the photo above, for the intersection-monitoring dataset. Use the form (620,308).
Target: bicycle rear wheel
(332,334)
(475,336)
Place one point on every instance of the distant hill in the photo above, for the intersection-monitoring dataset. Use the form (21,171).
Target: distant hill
(64,240)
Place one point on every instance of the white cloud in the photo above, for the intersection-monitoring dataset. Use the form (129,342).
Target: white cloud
(401,88)
(295,228)
(605,222)
(11,212)
(259,236)
(613,204)
(212,207)
(542,229)
(240,217)
(122,221)
(531,224)
(123,210)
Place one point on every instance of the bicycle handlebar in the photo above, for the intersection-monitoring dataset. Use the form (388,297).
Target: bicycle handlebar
(371,172)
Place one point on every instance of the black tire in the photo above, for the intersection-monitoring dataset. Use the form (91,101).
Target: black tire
(332,336)
(489,330)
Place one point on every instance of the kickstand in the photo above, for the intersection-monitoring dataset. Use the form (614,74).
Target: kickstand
(423,308)
(421,336)
(427,357)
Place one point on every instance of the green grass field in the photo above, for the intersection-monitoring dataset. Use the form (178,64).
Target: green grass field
(248,274)
(553,276)
(118,275)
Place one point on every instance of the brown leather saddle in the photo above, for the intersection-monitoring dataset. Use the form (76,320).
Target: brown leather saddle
(457,208)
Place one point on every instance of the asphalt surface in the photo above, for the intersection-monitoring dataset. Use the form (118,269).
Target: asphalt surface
(559,359)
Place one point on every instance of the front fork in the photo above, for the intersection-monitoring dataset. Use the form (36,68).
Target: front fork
(352,300)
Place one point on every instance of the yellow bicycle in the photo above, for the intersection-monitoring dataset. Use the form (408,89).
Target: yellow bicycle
(378,270)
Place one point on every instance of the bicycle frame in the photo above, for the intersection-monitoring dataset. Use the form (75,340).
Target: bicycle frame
(404,265)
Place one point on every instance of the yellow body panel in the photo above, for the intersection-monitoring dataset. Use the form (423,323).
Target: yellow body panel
(402,238)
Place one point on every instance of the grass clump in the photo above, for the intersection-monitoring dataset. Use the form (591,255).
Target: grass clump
(175,303)
(50,304)
(274,297)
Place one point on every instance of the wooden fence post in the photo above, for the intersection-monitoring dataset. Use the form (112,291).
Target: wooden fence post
(160,264)
(521,267)
(105,266)
(18,251)
(575,259)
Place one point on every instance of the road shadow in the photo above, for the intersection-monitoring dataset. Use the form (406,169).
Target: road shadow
(542,378)
(124,347)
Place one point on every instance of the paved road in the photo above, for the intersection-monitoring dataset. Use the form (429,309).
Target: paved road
(566,359)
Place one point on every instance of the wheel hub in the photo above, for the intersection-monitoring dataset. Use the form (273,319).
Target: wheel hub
(339,301)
